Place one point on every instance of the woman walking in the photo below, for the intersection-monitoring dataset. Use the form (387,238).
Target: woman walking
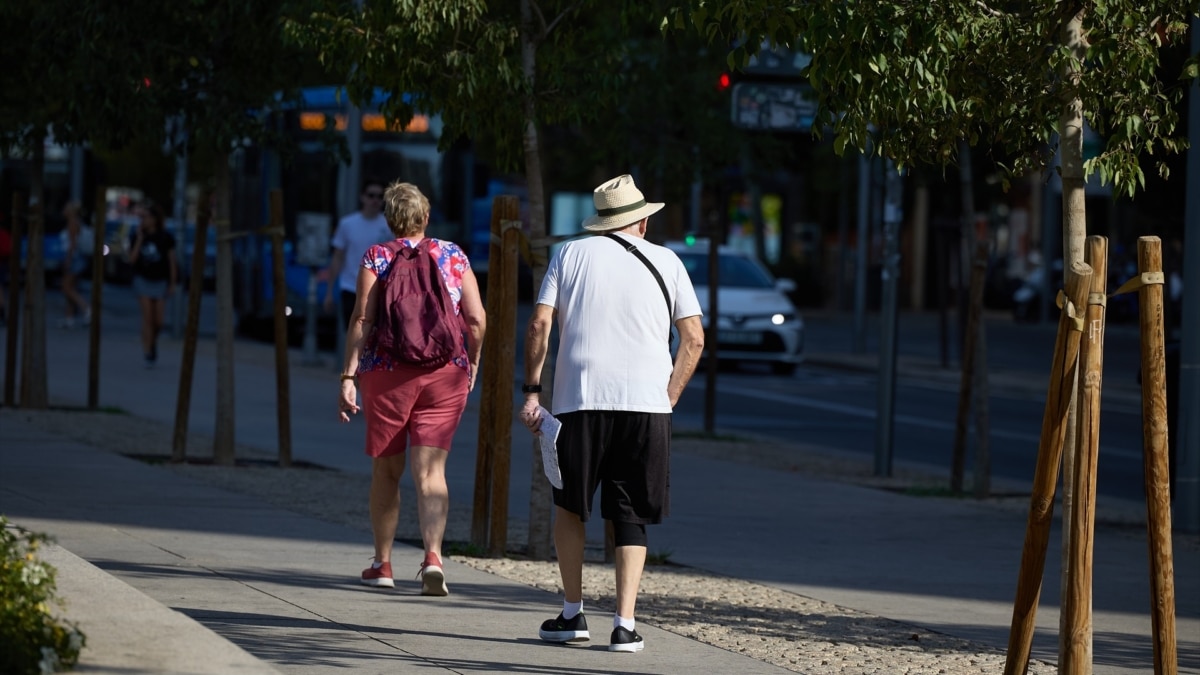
(409,408)
(75,262)
(155,273)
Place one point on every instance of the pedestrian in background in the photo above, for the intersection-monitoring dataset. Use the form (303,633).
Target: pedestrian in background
(355,233)
(405,404)
(75,263)
(155,274)
(615,385)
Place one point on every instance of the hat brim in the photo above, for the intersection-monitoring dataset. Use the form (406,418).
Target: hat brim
(598,223)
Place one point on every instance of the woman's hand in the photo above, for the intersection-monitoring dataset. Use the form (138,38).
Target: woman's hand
(472,372)
(347,404)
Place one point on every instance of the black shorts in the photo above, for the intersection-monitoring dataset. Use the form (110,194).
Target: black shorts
(628,454)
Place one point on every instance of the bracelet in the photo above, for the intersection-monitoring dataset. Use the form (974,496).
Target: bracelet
(349,377)
(531,389)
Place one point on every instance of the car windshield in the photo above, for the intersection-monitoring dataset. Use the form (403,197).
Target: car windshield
(734,271)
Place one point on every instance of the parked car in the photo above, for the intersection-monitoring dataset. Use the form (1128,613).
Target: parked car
(757,321)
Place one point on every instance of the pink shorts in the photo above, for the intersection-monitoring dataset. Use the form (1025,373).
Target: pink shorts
(418,402)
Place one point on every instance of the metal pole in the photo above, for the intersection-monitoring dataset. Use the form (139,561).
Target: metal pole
(860,263)
(885,421)
(1187,473)
(180,214)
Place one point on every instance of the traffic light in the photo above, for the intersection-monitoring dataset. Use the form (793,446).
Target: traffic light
(724,81)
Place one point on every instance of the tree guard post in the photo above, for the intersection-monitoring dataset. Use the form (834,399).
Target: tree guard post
(1045,477)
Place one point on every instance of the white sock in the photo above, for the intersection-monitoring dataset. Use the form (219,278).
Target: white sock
(571,609)
(376,565)
(621,621)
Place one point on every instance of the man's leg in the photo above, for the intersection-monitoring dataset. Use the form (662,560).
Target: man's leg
(569,539)
(630,560)
(385,503)
(570,625)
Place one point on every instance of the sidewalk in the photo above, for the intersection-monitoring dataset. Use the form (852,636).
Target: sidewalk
(262,589)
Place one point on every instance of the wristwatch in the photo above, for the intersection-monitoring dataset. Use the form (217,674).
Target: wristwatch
(531,389)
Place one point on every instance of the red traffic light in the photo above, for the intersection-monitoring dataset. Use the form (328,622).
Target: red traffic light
(723,82)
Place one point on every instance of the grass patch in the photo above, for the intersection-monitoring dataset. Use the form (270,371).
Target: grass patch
(106,409)
(933,491)
(660,557)
(465,549)
(239,462)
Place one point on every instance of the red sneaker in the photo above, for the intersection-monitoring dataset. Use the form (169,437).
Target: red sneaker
(379,577)
(433,578)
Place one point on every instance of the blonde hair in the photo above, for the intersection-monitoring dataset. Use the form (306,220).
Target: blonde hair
(405,209)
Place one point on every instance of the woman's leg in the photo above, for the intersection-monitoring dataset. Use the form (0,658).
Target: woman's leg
(76,305)
(146,304)
(385,503)
(433,497)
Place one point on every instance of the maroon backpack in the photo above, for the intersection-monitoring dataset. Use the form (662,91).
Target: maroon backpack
(415,321)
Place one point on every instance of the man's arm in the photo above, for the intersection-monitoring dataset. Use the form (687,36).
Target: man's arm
(537,344)
(691,346)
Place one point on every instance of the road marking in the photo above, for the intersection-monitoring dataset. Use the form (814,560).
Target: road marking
(868,413)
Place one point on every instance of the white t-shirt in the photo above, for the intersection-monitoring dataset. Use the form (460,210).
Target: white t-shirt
(613,324)
(355,235)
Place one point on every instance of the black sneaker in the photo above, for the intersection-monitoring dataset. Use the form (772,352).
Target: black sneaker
(625,640)
(565,630)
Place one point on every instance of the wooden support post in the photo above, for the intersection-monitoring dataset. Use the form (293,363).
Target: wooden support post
(974,310)
(1076,658)
(504,208)
(1154,433)
(283,400)
(97,297)
(12,308)
(191,330)
(502,328)
(1045,476)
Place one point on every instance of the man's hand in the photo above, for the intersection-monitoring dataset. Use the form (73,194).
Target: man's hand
(530,416)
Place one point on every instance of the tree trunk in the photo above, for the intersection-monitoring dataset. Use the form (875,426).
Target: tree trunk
(223,438)
(1074,214)
(34,389)
(540,496)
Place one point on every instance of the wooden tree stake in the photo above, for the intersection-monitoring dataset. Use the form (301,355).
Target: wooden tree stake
(1154,433)
(1076,658)
(1045,477)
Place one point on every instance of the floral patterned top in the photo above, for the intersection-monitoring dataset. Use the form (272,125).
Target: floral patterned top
(453,264)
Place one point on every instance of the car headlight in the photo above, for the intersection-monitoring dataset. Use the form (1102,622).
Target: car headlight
(780,319)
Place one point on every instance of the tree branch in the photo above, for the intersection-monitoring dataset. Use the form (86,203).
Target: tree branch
(560,17)
(988,10)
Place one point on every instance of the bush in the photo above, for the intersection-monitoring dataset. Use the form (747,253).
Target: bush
(34,640)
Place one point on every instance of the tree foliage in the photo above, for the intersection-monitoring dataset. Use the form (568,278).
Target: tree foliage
(911,80)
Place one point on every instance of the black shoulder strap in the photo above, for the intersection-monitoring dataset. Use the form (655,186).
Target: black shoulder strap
(662,285)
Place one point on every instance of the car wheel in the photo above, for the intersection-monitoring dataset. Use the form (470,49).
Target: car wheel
(783,368)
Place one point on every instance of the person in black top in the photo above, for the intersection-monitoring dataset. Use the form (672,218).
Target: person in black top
(155,273)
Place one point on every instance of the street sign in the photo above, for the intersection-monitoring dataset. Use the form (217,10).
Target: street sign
(773,106)
(312,239)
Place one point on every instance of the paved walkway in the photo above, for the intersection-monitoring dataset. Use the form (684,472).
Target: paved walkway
(171,576)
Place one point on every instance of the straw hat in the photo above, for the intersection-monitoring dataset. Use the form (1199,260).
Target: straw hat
(619,203)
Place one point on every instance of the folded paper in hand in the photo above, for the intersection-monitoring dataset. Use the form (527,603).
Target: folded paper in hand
(547,441)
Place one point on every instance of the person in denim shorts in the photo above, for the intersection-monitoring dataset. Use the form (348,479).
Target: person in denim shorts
(615,385)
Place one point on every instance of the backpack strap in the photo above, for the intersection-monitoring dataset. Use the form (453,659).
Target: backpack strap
(662,285)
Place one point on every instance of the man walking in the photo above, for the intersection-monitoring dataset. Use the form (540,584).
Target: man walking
(355,233)
(615,385)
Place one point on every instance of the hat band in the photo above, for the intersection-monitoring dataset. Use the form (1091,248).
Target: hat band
(621,209)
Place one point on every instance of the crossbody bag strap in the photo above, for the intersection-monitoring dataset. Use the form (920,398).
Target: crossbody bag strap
(662,285)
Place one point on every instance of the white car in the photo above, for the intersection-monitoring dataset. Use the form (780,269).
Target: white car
(757,322)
